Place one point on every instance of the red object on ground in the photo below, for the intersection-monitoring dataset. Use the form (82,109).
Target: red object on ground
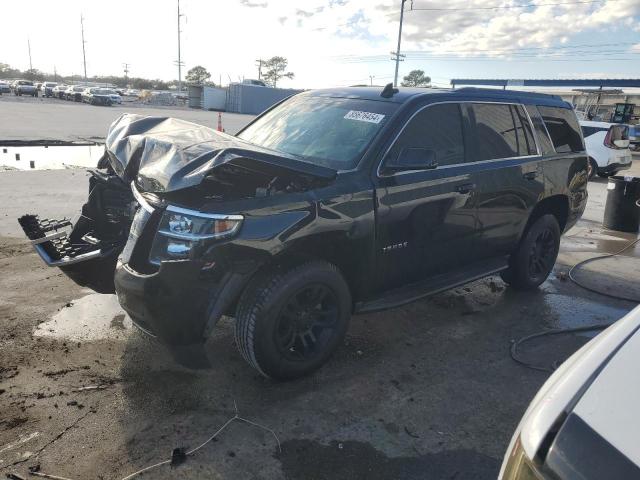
(220,129)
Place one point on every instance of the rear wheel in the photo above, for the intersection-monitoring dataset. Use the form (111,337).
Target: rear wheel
(532,262)
(289,322)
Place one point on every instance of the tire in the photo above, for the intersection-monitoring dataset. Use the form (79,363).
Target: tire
(533,261)
(593,168)
(277,307)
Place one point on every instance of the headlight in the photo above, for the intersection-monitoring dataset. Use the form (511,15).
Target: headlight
(181,230)
(519,466)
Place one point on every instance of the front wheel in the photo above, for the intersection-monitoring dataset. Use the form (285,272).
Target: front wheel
(290,321)
(593,168)
(532,262)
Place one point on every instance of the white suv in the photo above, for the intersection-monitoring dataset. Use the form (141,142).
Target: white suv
(608,147)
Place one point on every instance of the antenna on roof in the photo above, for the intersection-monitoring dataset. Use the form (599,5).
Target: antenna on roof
(388,91)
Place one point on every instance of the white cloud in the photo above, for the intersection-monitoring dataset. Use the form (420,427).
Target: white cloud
(226,36)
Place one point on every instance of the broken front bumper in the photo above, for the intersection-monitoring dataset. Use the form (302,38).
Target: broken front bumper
(85,260)
(180,303)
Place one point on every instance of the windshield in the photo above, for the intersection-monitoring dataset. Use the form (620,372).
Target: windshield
(333,132)
(106,91)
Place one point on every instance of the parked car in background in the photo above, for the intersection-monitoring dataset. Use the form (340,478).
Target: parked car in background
(97,96)
(132,92)
(120,91)
(59,91)
(335,202)
(113,95)
(47,88)
(5,87)
(634,138)
(584,422)
(74,92)
(25,87)
(608,147)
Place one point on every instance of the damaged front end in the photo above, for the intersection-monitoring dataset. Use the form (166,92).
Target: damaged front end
(160,183)
(87,250)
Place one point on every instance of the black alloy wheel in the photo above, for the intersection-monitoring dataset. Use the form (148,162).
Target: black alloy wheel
(306,323)
(542,255)
(290,320)
(532,262)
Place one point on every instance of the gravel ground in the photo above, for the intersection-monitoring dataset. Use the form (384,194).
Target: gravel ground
(427,391)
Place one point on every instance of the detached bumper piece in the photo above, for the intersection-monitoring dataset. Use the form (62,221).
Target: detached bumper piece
(51,240)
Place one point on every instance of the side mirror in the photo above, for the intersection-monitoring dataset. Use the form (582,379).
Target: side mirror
(412,159)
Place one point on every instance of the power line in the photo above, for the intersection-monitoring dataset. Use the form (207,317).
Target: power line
(497,50)
(506,7)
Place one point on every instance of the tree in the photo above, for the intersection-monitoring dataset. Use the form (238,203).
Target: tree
(6,71)
(198,75)
(275,69)
(416,78)
(33,74)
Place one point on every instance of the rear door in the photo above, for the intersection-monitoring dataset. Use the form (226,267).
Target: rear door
(425,218)
(507,173)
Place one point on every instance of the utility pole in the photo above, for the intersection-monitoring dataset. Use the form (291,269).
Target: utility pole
(396,55)
(179,62)
(259,63)
(126,73)
(29,47)
(55,74)
(371,77)
(84,56)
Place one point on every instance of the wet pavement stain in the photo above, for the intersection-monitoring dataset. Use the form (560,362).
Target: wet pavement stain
(351,460)
(566,311)
(92,317)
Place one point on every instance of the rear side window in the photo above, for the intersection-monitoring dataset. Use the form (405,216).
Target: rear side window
(437,128)
(588,131)
(542,136)
(502,131)
(563,128)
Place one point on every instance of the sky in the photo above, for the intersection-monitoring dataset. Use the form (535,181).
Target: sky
(329,42)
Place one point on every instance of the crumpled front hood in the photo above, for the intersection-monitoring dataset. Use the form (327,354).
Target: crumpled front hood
(165,154)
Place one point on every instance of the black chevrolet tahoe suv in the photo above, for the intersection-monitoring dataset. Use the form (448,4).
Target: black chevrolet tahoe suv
(331,203)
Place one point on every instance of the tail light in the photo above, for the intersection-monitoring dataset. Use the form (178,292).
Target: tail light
(617,137)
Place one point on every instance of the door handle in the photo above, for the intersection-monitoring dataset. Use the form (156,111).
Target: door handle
(465,187)
(530,175)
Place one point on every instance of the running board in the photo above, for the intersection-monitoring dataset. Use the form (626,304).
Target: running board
(50,238)
(439,283)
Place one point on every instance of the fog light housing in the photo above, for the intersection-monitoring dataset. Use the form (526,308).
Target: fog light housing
(181,230)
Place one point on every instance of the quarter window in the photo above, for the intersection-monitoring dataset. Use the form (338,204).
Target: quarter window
(437,128)
(563,128)
(541,132)
(502,131)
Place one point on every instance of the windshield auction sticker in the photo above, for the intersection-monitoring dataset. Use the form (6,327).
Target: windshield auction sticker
(364,116)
